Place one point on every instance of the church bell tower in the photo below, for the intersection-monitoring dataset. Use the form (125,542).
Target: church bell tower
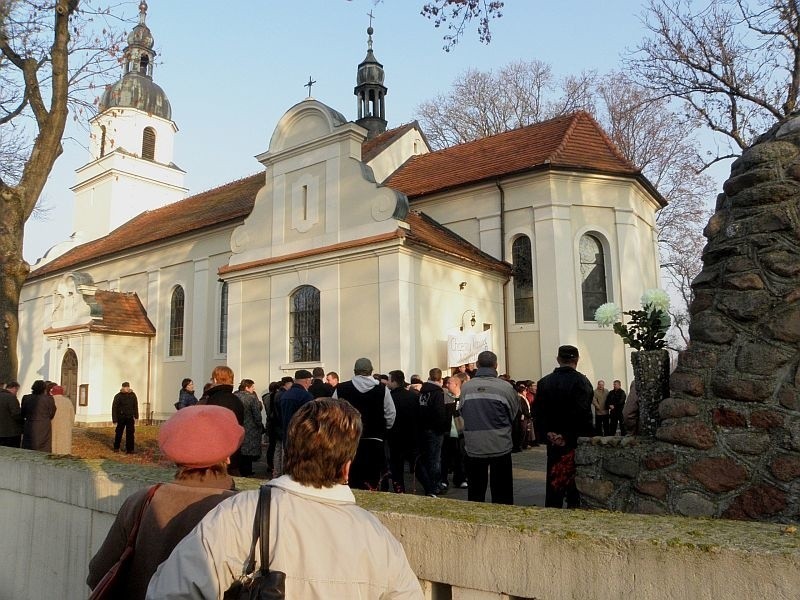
(131,145)
(371,92)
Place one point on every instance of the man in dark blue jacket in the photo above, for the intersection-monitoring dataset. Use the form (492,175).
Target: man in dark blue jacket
(292,399)
(563,413)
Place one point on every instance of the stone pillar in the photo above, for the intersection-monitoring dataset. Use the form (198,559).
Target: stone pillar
(728,441)
(651,372)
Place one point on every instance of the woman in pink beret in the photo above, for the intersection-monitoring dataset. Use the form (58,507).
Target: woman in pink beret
(199,440)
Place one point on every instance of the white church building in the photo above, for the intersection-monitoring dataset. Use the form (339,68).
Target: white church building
(352,240)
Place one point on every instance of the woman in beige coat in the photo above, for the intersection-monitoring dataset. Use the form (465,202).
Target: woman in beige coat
(63,421)
(326,545)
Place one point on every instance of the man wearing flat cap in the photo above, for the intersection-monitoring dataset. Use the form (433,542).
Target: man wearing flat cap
(198,439)
(292,399)
(563,414)
(373,401)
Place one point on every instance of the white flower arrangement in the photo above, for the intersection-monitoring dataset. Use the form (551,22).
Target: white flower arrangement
(607,314)
(646,328)
(655,299)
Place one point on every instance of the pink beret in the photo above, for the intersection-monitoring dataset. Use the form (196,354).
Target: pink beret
(56,390)
(200,436)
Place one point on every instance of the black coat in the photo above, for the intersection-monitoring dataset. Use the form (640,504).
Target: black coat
(320,389)
(564,405)
(406,423)
(433,414)
(222,395)
(38,412)
(124,406)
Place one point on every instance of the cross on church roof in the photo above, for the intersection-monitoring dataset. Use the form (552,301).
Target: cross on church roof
(371,16)
(309,84)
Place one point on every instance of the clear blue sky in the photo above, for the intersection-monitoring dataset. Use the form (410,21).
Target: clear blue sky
(231,69)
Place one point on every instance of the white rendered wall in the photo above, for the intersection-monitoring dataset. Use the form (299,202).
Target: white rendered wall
(392,158)
(554,210)
(124,129)
(115,187)
(106,361)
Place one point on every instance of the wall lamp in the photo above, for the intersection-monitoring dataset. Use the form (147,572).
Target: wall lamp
(471,321)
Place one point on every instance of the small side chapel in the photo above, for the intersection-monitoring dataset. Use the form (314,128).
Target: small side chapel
(351,240)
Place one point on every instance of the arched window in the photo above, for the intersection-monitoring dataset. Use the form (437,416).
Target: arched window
(144,61)
(223,318)
(176,322)
(149,143)
(523,279)
(102,141)
(593,275)
(304,324)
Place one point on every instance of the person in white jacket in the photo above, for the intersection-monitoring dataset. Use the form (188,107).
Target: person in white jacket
(326,545)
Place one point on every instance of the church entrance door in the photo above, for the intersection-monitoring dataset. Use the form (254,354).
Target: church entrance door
(69,376)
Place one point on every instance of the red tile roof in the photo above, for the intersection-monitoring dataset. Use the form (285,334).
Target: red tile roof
(423,232)
(220,205)
(119,313)
(573,141)
(432,235)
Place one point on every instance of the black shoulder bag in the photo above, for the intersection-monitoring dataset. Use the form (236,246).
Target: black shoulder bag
(264,584)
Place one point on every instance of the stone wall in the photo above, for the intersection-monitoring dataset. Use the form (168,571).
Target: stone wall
(728,441)
(56,512)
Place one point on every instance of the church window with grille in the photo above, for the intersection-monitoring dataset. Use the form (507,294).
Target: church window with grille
(176,322)
(593,275)
(523,279)
(223,318)
(149,143)
(304,317)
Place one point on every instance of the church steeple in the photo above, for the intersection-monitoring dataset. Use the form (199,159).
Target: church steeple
(136,88)
(139,54)
(371,92)
(132,142)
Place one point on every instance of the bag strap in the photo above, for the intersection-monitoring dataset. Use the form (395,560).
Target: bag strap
(265,497)
(260,530)
(135,529)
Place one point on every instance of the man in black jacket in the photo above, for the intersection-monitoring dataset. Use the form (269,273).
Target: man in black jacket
(319,388)
(404,435)
(125,412)
(563,413)
(434,423)
(374,402)
(615,401)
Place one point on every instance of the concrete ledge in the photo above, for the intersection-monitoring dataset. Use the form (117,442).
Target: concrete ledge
(58,509)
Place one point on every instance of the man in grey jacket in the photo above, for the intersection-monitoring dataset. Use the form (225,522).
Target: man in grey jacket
(488,407)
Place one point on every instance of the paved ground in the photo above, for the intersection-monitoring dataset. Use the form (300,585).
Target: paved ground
(529,474)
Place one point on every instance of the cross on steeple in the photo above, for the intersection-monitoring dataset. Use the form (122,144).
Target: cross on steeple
(309,84)
(371,16)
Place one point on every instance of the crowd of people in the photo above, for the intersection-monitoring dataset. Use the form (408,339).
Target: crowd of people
(43,421)
(416,427)
(456,430)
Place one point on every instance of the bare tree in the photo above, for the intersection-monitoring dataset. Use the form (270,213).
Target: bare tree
(482,103)
(50,54)
(734,63)
(657,141)
(458,14)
